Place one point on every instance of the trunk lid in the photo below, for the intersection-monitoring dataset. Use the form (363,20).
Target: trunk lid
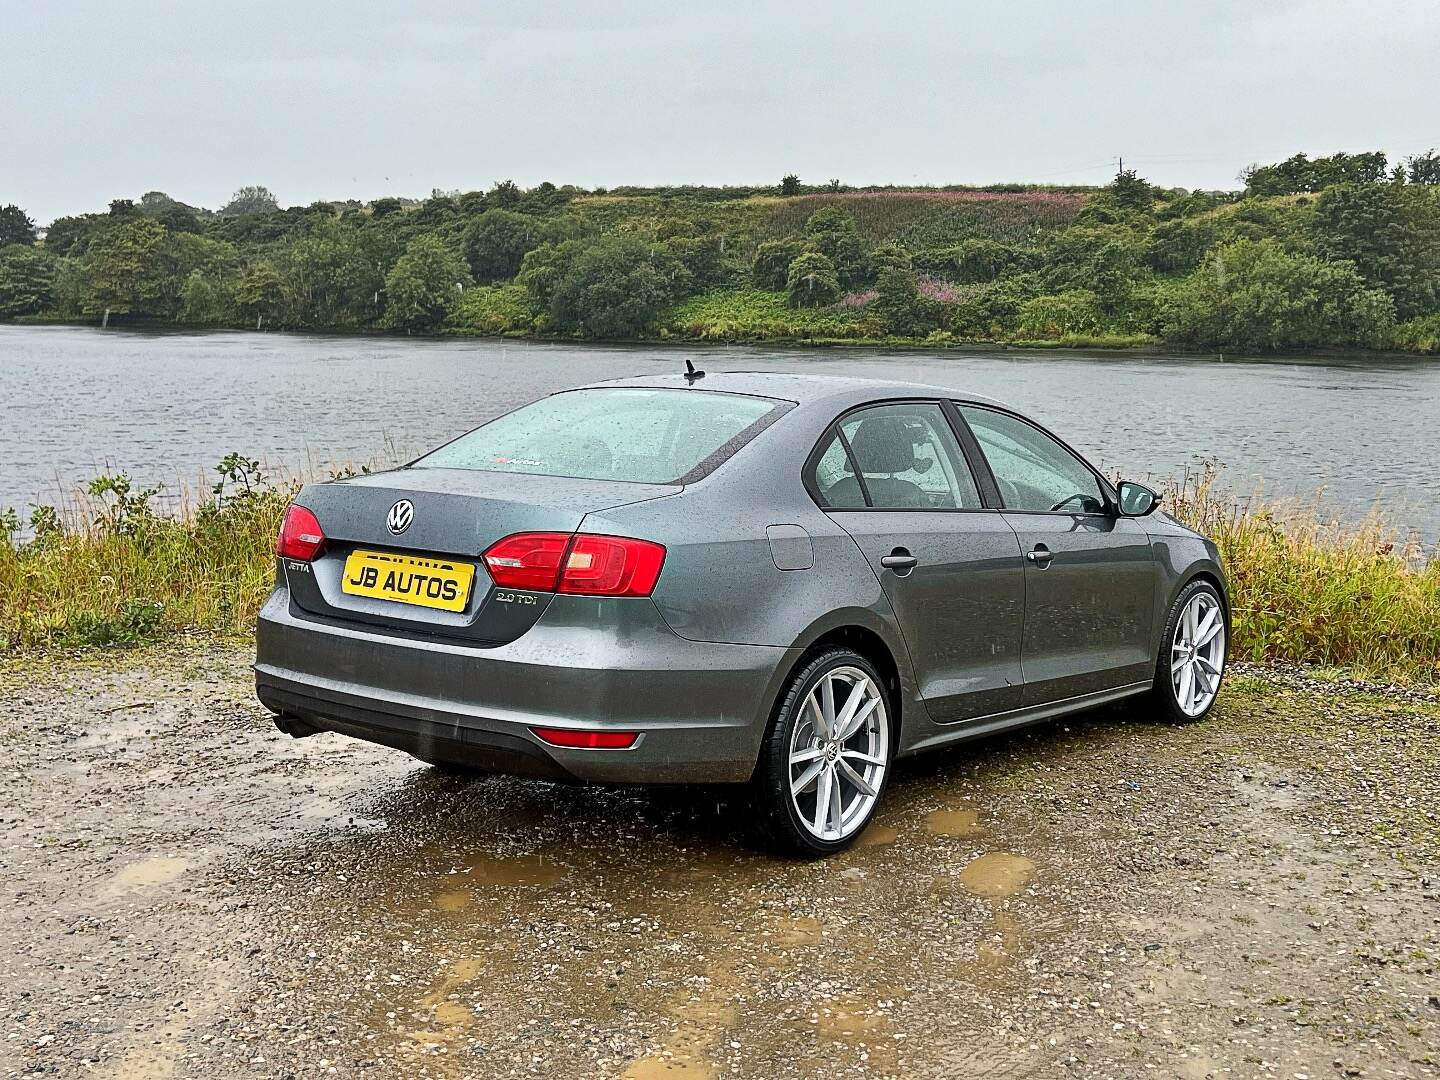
(456,515)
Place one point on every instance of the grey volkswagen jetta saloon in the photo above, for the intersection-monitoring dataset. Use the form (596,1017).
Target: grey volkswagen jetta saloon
(785,580)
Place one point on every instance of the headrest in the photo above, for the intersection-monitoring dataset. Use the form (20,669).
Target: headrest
(884,444)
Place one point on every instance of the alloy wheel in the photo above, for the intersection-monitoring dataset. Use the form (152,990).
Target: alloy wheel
(838,753)
(1197,655)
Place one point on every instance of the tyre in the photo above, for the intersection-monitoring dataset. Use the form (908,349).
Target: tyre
(826,757)
(1191,664)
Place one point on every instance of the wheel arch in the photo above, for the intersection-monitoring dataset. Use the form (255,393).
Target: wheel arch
(863,632)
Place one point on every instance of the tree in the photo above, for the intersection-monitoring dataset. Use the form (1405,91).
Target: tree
(1114,273)
(1300,173)
(899,303)
(261,294)
(890,256)
(610,289)
(1423,168)
(71,235)
(790,185)
(123,271)
(174,215)
(972,261)
(832,233)
(27,280)
(1179,244)
(496,243)
(812,281)
(201,303)
(252,199)
(1252,294)
(15,226)
(771,266)
(1130,192)
(503,194)
(1391,232)
(385,207)
(335,276)
(181,257)
(425,285)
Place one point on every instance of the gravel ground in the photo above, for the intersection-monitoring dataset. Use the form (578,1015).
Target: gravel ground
(189,893)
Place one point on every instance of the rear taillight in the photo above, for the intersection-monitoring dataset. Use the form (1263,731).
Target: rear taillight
(527,560)
(585,564)
(587,740)
(301,537)
(611,566)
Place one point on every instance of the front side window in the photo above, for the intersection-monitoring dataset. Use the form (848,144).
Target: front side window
(901,457)
(613,433)
(1032,470)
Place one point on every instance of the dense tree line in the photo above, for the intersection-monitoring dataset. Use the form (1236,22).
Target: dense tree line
(1331,251)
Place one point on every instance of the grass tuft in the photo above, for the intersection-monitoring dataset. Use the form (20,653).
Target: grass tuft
(1307,591)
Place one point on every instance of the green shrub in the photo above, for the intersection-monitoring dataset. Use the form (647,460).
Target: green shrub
(890,256)
(27,280)
(832,233)
(1255,295)
(972,261)
(770,268)
(1074,312)
(609,288)
(425,285)
(760,315)
(812,281)
(495,310)
(1420,335)
(990,312)
(201,302)
(905,311)
(1391,232)
(496,243)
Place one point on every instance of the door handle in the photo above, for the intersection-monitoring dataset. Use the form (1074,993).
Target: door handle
(899,560)
(1040,556)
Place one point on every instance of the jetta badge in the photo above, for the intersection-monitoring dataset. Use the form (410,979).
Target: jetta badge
(400,516)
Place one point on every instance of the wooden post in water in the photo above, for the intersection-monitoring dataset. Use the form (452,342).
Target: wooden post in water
(105,320)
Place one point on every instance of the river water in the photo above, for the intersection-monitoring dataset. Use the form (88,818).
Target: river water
(1362,432)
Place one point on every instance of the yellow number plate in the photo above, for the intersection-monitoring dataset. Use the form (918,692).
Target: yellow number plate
(432,583)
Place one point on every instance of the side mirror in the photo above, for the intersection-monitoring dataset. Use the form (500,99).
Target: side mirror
(1137,500)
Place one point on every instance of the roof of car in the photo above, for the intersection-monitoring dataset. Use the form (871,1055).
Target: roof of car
(803,388)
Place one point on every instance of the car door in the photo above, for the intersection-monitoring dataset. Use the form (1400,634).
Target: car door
(1090,577)
(893,476)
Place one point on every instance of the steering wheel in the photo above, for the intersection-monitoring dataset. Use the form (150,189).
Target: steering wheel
(1066,502)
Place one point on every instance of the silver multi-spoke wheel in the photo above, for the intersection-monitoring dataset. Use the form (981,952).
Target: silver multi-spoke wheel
(1197,655)
(838,753)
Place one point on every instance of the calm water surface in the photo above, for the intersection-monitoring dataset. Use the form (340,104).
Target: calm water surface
(165,407)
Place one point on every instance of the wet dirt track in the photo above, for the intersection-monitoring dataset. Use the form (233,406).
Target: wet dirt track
(189,893)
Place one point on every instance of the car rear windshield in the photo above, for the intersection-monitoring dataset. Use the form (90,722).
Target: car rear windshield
(620,433)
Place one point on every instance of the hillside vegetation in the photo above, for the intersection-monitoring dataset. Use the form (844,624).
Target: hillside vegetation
(1341,251)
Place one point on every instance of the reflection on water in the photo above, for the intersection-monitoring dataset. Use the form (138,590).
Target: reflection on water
(74,401)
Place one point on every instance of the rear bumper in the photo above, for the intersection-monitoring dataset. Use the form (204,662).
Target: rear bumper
(700,708)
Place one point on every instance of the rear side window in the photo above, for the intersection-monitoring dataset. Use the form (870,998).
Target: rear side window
(614,433)
(900,457)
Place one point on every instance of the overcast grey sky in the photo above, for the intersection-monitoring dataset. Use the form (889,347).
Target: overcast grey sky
(341,100)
